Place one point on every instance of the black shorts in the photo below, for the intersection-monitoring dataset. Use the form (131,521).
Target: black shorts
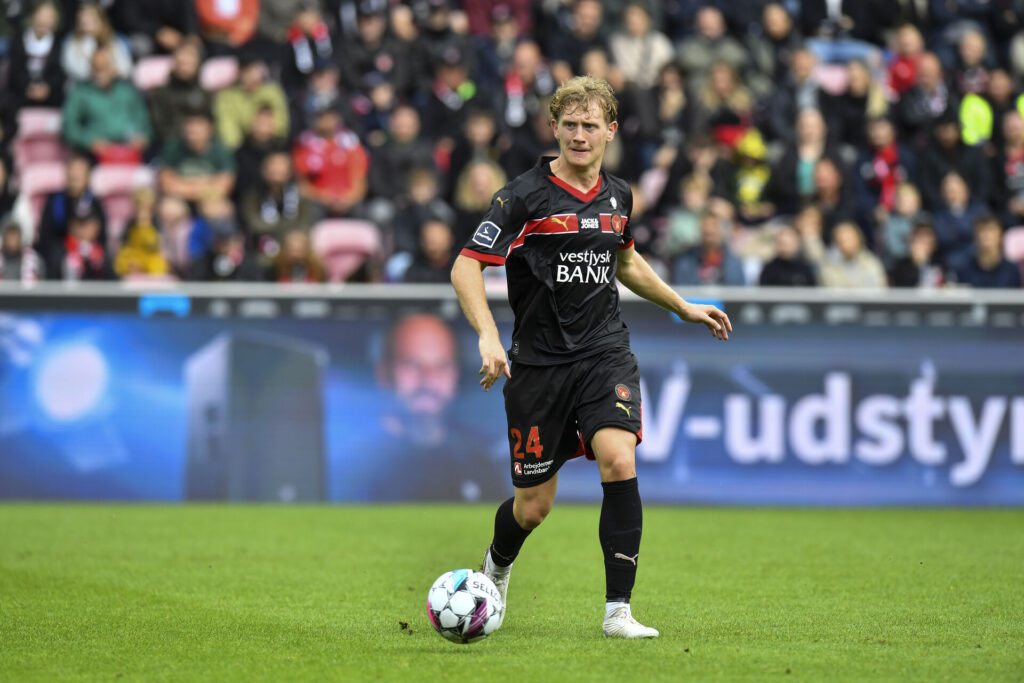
(554,410)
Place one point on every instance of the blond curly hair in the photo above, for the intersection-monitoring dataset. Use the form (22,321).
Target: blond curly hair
(581,92)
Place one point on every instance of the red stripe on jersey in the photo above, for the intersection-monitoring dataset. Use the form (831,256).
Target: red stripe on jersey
(627,245)
(550,225)
(582,196)
(486,258)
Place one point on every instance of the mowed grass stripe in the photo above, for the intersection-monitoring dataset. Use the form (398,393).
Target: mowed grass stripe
(90,592)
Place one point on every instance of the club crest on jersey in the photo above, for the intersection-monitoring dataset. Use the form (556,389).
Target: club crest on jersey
(486,234)
(622,391)
(617,224)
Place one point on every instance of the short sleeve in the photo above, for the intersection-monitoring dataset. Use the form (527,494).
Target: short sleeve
(499,228)
(626,238)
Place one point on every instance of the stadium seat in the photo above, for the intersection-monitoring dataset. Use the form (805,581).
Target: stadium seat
(38,138)
(115,185)
(152,72)
(218,73)
(832,78)
(1013,244)
(344,245)
(39,180)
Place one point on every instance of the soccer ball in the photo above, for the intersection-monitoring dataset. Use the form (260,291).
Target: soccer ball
(464,606)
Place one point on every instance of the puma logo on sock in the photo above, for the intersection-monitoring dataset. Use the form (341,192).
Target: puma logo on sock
(627,557)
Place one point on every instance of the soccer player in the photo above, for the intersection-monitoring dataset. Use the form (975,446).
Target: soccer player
(562,232)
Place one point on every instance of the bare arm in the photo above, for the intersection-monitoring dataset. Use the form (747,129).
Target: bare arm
(468,280)
(638,276)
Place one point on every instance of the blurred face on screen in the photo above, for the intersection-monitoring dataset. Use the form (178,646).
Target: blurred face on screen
(422,369)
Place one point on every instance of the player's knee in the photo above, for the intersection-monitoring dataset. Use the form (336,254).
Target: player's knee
(533,512)
(618,467)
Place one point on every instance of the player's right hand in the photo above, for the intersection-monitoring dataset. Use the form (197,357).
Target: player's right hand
(495,362)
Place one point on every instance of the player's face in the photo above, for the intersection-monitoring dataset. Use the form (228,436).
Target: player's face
(424,373)
(582,135)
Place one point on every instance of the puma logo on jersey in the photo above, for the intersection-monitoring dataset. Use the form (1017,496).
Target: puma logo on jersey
(500,201)
(627,557)
(626,408)
(560,220)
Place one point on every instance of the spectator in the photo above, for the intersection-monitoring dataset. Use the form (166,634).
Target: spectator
(141,253)
(373,50)
(494,49)
(175,225)
(479,140)
(665,117)
(226,259)
(451,96)
(261,140)
(275,207)
(883,165)
(235,107)
(35,77)
(955,218)
(404,150)
(710,262)
(474,190)
(421,203)
(831,196)
(566,50)
(923,103)
(895,226)
(436,38)
(920,267)
(483,14)
(92,30)
(988,267)
(753,175)
(107,116)
(969,73)
(433,262)
(18,261)
(526,87)
(169,104)
(331,163)
(639,50)
(81,255)
(724,99)
(809,222)
(226,26)
(789,268)
(793,176)
(843,30)
(848,264)
(322,86)
(796,91)
(155,26)
(308,38)
(771,49)
(908,49)
(709,45)
(947,154)
(682,229)
(196,164)
(297,262)
(74,199)
(7,194)
(981,116)
(849,112)
(1008,171)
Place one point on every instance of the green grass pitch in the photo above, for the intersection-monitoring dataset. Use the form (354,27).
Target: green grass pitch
(318,593)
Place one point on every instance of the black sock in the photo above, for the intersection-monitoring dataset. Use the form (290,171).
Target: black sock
(508,535)
(622,521)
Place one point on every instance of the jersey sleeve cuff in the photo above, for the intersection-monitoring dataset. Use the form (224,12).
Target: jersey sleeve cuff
(627,245)
(485,258)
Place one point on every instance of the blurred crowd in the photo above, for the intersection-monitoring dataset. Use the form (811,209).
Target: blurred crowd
(840,143)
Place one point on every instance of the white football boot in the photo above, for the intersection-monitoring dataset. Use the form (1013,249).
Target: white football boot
(621,624)
(500,577)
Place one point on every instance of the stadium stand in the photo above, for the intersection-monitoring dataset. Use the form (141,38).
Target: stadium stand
(765,114)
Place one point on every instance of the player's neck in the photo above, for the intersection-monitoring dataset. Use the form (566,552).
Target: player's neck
(583,179)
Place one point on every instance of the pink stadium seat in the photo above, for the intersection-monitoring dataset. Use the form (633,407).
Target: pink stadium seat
(344,245)
(39,180)
(115,185)
(38,137)
(831,77)
(152,72)
(218,73)
(1013,244)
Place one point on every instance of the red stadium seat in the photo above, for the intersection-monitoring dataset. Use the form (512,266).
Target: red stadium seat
(152,72)
(218,73)
(1013,244)
(344,245)
(38,138)
(39,180)
(115,185)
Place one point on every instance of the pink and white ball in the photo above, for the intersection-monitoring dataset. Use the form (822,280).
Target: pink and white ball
(464,606)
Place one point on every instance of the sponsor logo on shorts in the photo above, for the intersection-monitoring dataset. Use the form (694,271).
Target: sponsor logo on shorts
(486,234)
(532,468)
(622,391)
(518,469)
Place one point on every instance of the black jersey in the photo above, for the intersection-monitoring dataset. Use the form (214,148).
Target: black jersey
(559,247)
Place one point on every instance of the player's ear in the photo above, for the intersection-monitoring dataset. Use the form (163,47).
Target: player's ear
(612,127)
(554,127)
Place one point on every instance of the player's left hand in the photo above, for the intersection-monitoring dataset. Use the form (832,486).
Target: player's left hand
(714,318)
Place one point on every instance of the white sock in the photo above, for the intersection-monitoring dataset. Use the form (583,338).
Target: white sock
(491,566)
(610,607)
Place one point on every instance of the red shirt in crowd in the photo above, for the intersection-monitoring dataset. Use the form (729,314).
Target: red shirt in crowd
(334,165)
